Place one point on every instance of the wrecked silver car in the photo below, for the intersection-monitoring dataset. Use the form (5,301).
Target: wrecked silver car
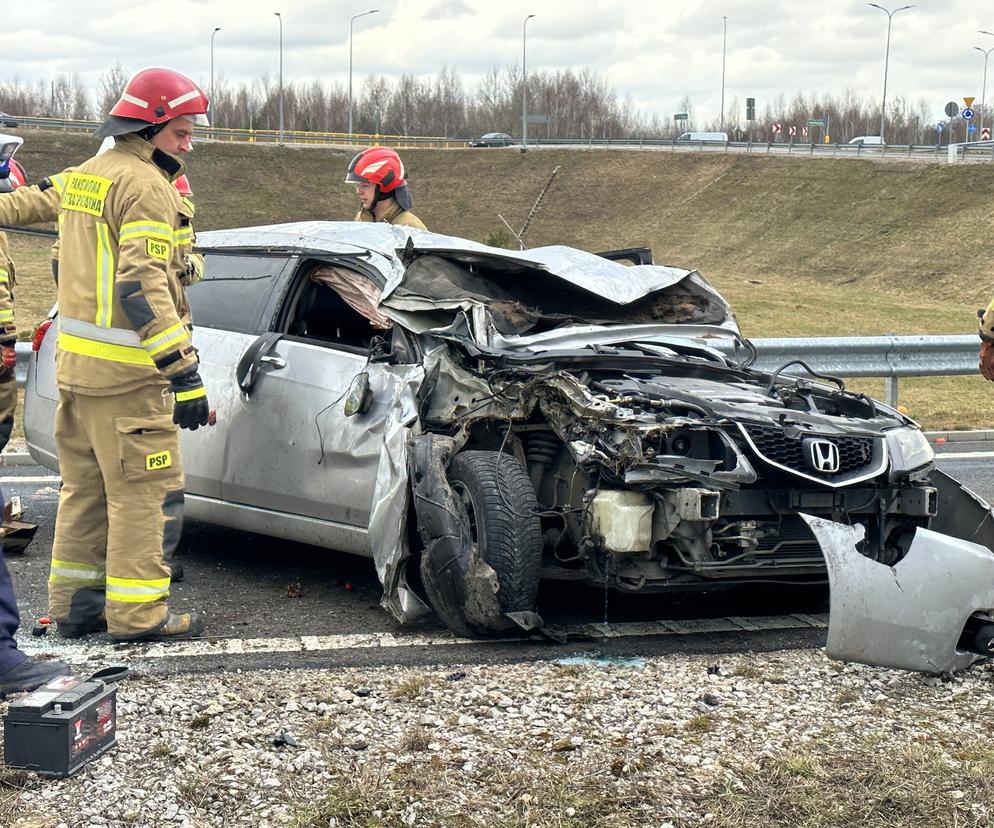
(477,419)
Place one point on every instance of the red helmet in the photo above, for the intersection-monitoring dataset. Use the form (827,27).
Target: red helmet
(183,185)
(377,165)
(155,96)
(18,177)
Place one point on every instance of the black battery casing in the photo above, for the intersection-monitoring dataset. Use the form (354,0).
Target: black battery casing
(61,726)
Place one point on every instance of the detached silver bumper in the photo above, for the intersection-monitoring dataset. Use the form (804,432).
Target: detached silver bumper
(932,611)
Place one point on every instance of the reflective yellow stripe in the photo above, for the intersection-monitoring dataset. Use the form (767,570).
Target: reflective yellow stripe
(6,316)
(137,590)
(183,236)
(105,276)
(146,230)
(183,396)
(59,182)
(103,350)
(4,275)
(169,338)
(73,572)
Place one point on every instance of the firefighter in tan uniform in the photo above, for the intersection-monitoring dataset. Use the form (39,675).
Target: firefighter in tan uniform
(11,177)
(378,175)
(987,342)
(126,368)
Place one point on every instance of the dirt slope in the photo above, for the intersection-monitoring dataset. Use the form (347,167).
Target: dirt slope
(901,228)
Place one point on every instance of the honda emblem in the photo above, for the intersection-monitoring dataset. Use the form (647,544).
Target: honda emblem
(823,456)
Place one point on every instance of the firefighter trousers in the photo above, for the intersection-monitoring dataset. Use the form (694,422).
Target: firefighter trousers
(10,620)
(120,509)
(8,406)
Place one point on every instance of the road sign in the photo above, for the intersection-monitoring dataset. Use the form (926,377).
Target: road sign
(968,102)
(792,130)
(538,119)
(967,114)
(971,128)
(680,116)
(816,122)
(952,109)
(940,126)
(804,132)
(985,134)
(750,109)
(776,129)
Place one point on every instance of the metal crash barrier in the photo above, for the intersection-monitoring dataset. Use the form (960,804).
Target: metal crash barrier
(890,357)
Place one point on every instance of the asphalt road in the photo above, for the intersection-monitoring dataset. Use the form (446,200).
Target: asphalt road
(277,604)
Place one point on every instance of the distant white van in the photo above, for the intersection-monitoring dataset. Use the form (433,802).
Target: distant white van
(704,136)
(867,141)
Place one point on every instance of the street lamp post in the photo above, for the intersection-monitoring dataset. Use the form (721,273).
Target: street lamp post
(353,20)
(216,30)
(724,43)
(524,84)
(883,104)
(280,18)
(983,93)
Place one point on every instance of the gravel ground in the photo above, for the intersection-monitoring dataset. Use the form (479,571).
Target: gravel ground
(787,738)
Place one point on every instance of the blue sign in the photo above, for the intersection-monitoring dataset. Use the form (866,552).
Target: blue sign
(940,126)
(971,128)
(967,113)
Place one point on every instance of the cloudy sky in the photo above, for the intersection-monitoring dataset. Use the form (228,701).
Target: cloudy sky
(654,53)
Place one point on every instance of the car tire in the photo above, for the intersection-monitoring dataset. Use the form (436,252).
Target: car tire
(500,511)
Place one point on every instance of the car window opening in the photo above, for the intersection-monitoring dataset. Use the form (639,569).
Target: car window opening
(337,305)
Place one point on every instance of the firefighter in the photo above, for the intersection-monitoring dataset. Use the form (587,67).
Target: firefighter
(987,342)
(126,368)
(11,177)
(378,175)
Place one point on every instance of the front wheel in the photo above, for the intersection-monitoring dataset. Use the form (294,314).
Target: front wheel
(500,515)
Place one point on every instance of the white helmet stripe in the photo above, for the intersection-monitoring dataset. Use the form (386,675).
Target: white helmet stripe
(372,167)
(193,93)
(133,100)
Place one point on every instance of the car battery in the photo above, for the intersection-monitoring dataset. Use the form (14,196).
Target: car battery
(61,726)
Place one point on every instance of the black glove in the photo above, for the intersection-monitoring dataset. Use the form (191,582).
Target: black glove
(192,409)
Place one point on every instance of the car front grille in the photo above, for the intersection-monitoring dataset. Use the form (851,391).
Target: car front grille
(859,457)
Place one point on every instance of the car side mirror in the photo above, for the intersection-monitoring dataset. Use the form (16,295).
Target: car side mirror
(359,396)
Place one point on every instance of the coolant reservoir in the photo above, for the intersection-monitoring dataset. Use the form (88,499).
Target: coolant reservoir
(622,519)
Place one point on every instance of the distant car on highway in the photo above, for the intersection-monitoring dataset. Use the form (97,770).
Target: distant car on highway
(704,136)
(7,120)
(867,141)
(492,139)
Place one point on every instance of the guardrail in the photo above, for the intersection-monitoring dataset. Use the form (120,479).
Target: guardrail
(977,151)
(272,136)
(890,357)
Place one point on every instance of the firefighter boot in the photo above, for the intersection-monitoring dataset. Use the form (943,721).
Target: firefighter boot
(175,627)
(86,614)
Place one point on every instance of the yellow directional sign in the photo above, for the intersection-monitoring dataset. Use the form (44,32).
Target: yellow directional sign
(969,102)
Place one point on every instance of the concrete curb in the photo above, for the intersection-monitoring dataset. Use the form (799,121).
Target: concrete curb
(980,436)
(16,458)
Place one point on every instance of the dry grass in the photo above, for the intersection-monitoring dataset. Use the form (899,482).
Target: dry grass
(799,247)
(914,785)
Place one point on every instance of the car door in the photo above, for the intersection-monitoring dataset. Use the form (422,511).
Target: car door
(227,308)
(290,447)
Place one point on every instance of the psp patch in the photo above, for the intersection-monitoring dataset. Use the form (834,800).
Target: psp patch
(159,460)
(157,249)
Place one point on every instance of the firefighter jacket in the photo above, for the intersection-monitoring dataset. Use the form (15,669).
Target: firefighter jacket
(8,332)
(395,215)
(124,234)
(193,263)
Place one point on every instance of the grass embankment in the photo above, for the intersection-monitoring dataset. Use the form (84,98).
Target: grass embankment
(799,247)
